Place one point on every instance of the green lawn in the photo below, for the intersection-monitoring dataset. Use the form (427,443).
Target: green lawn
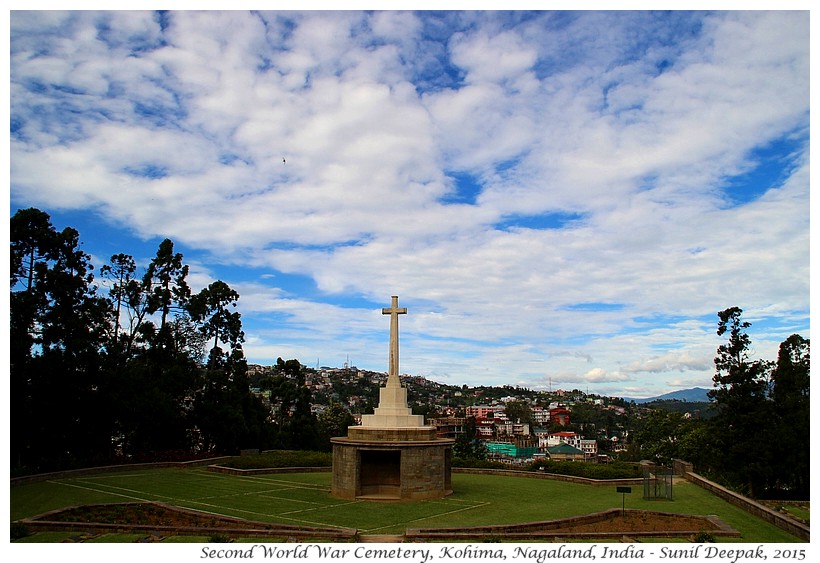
(304,498)
(799,512)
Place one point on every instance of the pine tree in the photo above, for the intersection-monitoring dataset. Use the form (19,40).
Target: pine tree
(742,426)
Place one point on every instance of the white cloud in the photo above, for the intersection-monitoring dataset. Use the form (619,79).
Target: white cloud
(496,58)
(623,122)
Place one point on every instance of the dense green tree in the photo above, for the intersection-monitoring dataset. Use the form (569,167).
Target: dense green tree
(58,328)
(127,374)
(282,395)
(519,411)
(742,426)
(333,422)
(126,294)
(467,445)
(304,431)
(423,408)
(697,446)
(210,308)
(154,390)
(297,426)
(153,403)
(586,419)
(32,242)
(292,369)
(227,416)
(790,396)
(165,283)
(663,436)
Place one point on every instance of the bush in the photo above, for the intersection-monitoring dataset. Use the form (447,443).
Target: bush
(704,537)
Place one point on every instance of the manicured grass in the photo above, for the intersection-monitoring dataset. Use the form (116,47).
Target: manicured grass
(799,512)
(304,498)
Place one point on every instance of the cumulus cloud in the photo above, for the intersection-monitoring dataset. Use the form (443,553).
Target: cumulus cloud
(558,193)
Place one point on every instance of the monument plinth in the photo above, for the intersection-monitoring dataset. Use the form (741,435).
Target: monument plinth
(392,455)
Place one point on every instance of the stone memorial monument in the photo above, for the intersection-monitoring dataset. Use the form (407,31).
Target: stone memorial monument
(392,455)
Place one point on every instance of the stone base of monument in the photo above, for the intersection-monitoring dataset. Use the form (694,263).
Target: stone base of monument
(392,455)
(394,464)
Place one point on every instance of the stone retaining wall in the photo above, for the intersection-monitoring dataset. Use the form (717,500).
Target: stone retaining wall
(216,525)
(755,508)
(552,529)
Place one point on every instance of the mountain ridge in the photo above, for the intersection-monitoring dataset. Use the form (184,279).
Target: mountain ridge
(693,395)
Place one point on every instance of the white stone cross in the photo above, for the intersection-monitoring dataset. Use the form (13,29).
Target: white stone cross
(393,369)
(393,411)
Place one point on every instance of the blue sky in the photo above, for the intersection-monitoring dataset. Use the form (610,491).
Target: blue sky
(560,199)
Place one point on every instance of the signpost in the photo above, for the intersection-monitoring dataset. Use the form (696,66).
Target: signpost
(624,491)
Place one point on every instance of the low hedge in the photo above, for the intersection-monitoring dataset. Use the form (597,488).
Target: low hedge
(615,470)
(280,458)
(482,464)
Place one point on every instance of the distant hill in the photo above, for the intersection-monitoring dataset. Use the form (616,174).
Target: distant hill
(694,395)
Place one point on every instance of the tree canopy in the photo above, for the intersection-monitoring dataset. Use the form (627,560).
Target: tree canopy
(98,378)
(757,442)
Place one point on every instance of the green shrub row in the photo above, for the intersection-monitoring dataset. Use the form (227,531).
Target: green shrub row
(615,470)
(281,458)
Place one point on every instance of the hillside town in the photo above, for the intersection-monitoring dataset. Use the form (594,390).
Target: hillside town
(516,425)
